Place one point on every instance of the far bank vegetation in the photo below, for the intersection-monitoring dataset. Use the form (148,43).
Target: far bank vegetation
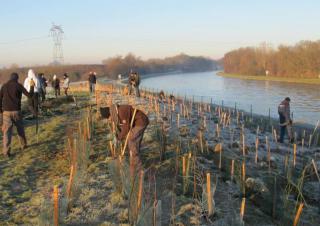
(113,66)
(301,60)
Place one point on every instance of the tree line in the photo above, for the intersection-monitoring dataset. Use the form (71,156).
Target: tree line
(179,63)
(114,66)
(299,60)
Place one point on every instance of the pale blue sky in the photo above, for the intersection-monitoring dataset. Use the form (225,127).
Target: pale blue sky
(97,29)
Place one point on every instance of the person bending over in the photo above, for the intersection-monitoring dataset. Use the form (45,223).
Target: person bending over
(122,116)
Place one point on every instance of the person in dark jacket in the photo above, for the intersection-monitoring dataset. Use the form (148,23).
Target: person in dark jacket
(92,81)
(121,116)
(10,109)
(131,83)
(285,120)
(134,82)
(44,85)
(56,85)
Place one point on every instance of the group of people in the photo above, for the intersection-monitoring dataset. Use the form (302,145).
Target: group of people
(55,83)
(129,123)
(34,88)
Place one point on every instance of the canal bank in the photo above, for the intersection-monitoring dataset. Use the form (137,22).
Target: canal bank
(312,81)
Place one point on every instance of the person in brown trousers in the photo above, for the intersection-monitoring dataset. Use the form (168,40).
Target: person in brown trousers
(10,109)
(121,116)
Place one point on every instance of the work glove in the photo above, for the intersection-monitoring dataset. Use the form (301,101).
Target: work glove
(110,137)
(32,83)
(115,142)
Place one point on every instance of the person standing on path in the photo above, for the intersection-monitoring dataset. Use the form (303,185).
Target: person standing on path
(66,83)
(33,102)
(285,120)
(137,84)
(56,85)
(44,85)
(134,82)
(10,109)
(92,81)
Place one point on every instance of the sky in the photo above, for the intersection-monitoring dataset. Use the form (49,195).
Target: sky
(98,29)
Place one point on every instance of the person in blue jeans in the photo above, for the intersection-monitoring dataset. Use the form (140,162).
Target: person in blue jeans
(285,120)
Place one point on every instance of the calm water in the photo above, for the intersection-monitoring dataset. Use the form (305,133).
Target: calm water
(262,95)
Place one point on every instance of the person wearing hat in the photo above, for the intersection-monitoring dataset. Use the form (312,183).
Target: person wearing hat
(285,120)
(10,109)
(66,83)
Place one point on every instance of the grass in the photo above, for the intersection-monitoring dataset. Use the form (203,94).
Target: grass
(311,81)
(101,194)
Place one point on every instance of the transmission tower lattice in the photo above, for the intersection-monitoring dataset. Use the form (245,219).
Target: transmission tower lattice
(57,33)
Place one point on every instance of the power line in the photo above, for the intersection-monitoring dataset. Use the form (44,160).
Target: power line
(24,40)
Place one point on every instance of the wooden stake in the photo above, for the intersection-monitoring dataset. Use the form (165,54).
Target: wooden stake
(131,124)
(111,149)
(275,136)
(140,190)
(55,205)
(257,148)
(232,169)
(70,182)
(183,166)
(243,206)
(315,169)
(218,130)
(201,144)
(269,152)
(294,154)
(209,196)
(298,214)
(220,156)
(243,177)
(243,171)
(310,140)
(88,129)
(243,145)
